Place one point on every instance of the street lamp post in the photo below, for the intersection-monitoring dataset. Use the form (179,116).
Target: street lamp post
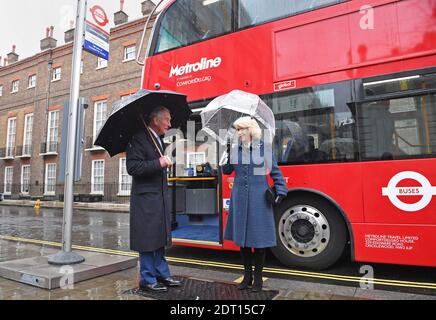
(66,256)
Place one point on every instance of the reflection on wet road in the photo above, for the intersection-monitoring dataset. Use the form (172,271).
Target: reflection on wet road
(90,228)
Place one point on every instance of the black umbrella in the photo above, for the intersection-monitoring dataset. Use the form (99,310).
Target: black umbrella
(125,118)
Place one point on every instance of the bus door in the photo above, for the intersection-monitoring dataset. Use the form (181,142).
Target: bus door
(194,185)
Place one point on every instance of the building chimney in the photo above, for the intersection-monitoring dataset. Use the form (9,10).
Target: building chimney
(48,42)
(69,34)
(5,62)
(12,56)
(120,17)
(147,7)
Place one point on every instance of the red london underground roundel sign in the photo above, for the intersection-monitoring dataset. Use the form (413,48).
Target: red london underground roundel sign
(99,15)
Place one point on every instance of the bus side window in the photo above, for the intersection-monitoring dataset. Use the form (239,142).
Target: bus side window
(377,128)
(315,125)
(397,128)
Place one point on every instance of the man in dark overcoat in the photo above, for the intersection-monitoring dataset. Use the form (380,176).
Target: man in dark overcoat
(150,219)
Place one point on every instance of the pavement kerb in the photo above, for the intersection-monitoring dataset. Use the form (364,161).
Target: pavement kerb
(100,206)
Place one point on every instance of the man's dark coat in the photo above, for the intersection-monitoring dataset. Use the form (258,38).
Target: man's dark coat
(150,219)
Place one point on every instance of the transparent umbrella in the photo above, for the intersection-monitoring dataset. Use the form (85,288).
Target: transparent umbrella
(220,114)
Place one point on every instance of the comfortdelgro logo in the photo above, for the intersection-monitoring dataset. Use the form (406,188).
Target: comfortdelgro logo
(203,64)
(426,190)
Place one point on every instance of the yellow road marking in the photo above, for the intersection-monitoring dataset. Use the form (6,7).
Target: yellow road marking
(298,273)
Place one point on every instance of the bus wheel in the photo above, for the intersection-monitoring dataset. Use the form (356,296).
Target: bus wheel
(311,233)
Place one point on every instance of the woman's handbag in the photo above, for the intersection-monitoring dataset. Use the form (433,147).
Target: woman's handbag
(271,195)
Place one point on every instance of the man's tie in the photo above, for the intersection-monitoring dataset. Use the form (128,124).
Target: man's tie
(161,144)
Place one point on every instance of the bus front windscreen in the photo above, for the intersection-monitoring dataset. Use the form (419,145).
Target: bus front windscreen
(190,21)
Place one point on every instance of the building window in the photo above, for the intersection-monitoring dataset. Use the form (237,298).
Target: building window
(15,86)
(1,91)
(100,111)
(97,179)
(52,137)
(57,74)
(129,53)
(25,179)
(10,140)
(125,180)
(32,81)
(50,179)
(8,179)
(27,141)
(101,63)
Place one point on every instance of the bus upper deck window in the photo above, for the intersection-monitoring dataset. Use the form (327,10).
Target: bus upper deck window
(253,12)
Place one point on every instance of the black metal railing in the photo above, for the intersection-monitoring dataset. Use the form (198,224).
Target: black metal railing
(50,147)
(89,144)
(16,191)
(82,192)
(8,152)
(27,150)
(23,151)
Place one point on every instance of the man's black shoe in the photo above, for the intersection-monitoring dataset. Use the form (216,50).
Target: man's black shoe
(155,287)
(170,282)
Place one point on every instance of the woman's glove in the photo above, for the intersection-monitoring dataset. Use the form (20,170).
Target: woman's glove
(279,200)
(225,157)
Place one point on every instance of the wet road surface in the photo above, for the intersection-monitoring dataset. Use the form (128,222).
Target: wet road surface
(90,228)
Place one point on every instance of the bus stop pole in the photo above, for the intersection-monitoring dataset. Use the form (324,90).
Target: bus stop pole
(66,256)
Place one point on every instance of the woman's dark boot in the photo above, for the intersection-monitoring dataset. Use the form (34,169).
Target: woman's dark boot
(248,268)
(259,260)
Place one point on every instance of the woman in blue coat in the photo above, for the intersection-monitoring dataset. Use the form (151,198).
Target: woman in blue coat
(250,223)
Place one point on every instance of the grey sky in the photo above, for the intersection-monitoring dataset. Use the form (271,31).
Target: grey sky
(23,22)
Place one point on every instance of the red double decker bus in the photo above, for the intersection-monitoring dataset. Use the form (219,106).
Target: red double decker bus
(352,84)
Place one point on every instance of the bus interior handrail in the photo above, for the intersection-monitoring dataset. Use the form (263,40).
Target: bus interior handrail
(398,137)
(395,95)
(144,32)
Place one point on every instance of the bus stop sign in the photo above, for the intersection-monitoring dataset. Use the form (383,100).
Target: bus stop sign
(97,32)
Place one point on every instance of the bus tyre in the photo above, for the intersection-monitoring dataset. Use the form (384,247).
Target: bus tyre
(310,233)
